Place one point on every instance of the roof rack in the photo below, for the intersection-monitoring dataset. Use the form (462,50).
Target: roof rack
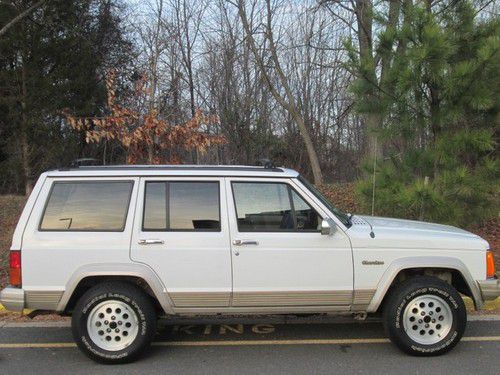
(84,162)
(266,163)
(264,168)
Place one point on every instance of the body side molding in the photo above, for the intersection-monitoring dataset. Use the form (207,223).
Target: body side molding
(423,262)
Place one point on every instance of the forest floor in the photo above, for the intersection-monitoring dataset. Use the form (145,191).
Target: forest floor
(343,195)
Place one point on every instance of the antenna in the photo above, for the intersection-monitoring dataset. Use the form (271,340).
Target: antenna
(374,177)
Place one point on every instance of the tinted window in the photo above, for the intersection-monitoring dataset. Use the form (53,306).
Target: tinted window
(190,206)
(271,207)
(87,206)
(262,207)
(155,206)
(307,218)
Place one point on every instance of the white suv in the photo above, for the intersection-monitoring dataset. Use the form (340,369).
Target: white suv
(116,247)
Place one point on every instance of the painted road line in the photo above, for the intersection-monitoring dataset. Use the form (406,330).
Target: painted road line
(44,345)
(481,338)
(55,345)
(273,342)
(301,342)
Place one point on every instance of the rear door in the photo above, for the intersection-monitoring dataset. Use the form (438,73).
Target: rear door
(181,231)
(279,256)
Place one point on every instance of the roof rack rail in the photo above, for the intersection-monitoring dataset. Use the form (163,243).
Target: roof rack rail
(266,163)
(85,162)
(269,167)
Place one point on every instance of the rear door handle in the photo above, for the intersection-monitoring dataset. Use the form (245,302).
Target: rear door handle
(244,242)
(150,242)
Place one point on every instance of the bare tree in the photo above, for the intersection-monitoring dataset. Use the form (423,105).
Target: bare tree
(20,16)
(287,101)
(274,89)
(187,22)
(151,36)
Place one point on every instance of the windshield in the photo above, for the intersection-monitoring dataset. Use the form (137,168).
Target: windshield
(343,217)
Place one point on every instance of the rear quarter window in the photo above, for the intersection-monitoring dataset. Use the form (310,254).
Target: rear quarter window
(87,206)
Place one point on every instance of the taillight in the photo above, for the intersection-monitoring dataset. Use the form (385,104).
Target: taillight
(15,268)
(490,265)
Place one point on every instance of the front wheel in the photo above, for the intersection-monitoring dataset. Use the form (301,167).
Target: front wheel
(114,322)
(425,316)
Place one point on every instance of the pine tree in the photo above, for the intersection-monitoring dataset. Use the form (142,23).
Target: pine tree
(441,116)
(54,59)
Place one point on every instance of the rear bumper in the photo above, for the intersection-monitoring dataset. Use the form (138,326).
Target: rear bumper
(12,298)
(490,289)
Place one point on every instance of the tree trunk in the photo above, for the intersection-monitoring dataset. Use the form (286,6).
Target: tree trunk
(25,157)
(373,148)
(20,17)
(288,102)
(364,18)
(25,149)
(311,151)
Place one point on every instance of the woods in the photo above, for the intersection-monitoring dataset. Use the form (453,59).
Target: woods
(398,96)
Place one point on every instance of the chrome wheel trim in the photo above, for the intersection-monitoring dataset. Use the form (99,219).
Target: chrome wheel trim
(112,325)
(427,319)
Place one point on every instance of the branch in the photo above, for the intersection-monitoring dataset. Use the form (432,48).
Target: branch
(20,16)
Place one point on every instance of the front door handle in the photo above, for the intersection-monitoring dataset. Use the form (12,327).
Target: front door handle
(150,242)
(244,242)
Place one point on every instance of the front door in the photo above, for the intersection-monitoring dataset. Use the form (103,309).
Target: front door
(182,232)
(279,256)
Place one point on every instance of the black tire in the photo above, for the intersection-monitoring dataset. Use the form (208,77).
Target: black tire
(136,301)
(394,313)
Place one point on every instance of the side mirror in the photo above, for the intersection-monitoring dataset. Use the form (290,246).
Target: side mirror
(328,227)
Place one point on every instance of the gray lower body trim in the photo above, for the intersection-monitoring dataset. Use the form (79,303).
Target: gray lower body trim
(200,299)
(42,300)
(261,310)
(292,298)
(12,298)
(362,298)
(490,289)
(271,299)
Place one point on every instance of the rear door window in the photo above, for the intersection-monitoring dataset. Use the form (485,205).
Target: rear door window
(181,206)
(87,206)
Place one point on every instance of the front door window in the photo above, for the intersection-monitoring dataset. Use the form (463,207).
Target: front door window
(272,207)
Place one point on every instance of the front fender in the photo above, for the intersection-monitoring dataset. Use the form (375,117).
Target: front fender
(118,269)
(401,264)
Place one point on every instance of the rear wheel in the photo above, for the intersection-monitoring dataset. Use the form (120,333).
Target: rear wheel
(425,316)
(114,322)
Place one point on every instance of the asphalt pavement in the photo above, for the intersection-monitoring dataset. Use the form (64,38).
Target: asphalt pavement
(258,347)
